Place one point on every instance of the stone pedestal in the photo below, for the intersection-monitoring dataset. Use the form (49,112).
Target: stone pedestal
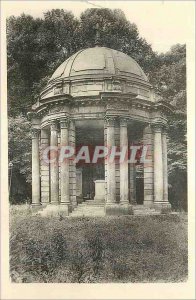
(99,190)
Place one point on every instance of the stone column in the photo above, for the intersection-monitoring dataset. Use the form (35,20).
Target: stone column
(54,169)
(64,165)
(44,167)
(124,188)
(111,180)
(148,166)
(132,181)
(158,165)
(165,173)
(35,168)
(72,165)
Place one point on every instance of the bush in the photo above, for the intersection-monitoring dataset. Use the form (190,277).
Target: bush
(116,249)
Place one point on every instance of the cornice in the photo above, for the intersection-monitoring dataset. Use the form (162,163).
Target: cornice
(164,106)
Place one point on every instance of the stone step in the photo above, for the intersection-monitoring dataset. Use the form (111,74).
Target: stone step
(143,208)
(88,210)
(92,208)
(95,200)
(145,213)
(87,214)
(92,204)
(49,210)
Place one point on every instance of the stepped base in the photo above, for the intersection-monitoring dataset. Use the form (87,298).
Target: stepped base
(97,208)
(93,203)
(142,210)
(88,210)
(163,208)
(118,209)
(55,210)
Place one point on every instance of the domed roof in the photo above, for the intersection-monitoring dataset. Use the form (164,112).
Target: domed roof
(99,62)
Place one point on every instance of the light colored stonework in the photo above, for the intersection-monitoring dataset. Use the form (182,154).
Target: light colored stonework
(106,93)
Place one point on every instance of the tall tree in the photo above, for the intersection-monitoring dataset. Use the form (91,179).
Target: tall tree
(19,153)
(116,32)
(36,47)
(170,82)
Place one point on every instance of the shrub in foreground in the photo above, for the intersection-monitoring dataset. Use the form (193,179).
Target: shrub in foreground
(120,249)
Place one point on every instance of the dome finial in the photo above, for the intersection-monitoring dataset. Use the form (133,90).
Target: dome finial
(97,37)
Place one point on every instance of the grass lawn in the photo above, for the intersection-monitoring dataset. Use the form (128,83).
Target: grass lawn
(114,249)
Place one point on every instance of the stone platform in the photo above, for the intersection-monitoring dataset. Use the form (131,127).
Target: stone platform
(96,208)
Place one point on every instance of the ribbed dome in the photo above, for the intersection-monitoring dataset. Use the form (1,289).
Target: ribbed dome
(99,62)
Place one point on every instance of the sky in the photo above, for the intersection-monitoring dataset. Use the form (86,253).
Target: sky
(161,23)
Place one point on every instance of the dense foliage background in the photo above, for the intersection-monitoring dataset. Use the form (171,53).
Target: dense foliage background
(36,47)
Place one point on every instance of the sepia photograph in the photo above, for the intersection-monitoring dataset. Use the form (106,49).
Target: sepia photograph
(97,132)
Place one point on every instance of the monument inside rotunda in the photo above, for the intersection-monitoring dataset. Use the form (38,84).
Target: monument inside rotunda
(100,97)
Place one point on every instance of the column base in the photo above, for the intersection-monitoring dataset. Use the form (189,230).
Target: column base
(114,209)
(79,199)
(163,208)
(54,203)
(65,209)
(148,204)
(74,203)
(101,198)
(35,207)
(36,204)
(52,210)
(133,202)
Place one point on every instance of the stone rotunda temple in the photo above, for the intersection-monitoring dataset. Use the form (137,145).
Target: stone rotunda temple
(100,96)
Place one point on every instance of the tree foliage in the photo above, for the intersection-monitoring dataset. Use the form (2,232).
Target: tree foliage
(170,81)
(19,152)
(36,47)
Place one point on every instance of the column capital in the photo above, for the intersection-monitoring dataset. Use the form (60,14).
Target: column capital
(35,133)
(110,121)
(157,127)
(53,125)
(64,122)
(123,121)
(165,129)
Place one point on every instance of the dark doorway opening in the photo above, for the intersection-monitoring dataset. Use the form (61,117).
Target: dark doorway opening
(140,190)
(90,133)
(90,173)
